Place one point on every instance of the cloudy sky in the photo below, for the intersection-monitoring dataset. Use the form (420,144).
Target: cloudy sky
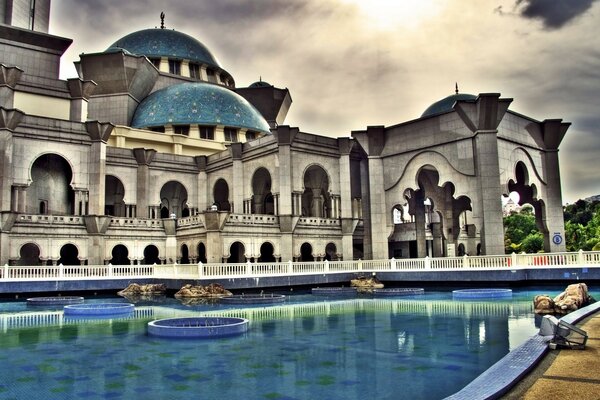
(353,63)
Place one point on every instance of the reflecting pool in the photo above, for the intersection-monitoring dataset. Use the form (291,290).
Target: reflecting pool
(423,347)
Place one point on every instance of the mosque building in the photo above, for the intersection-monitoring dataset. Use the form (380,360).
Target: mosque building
(153,154)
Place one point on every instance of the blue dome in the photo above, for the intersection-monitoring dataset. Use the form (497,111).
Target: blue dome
(446,104)
(260,84)
(198,103)
(166,43)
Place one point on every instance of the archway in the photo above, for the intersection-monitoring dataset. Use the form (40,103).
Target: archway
(29,254)
(331,252)
(221,195)
(436,215)
(185,259)
(315,199)
(527,194)
(151,255)
(306,252)
(262,199)
(237,253)
(201,252)
(50,191)
(69,255)
(173,197)
(460,250)
(113,198)
(266,253)
(120,255)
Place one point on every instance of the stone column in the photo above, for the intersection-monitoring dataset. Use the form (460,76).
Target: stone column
(144,158)
(552,217)
(365,209)
(203,190)
(276,203)
(317,203)
(237,186)
(99,134)
(488,212)
(379,237)
(80,92)
(9,120)
(420,221)
(483,118)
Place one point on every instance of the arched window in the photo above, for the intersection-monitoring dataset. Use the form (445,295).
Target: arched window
(315,199)
(173,198)
(185,259)
(330,252)
(266,253)
(29,255)
(113,197)
(262,199)
(221,195)
(237,253)
(306,252)
(120,255)
(69,255)
(201,252)
(51,177)
(151,255)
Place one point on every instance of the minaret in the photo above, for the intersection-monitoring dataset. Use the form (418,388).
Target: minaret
(26,14)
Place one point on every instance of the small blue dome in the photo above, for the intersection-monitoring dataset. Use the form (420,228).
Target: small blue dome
(166,43)
(446,104)
(260,83)
(198,103)
(117,50)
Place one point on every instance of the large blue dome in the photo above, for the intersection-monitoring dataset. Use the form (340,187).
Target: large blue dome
(446,104)
(154,43)
(198,103)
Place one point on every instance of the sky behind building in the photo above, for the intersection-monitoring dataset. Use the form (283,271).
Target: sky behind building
(353,63)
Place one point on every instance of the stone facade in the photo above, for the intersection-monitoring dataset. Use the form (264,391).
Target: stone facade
(75,190)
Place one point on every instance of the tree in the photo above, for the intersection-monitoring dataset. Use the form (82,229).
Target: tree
(582,225)
(517,228)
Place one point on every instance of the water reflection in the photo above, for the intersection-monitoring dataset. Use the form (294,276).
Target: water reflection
(345,349)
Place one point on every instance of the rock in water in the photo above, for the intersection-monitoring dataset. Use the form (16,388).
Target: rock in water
(366,285)
(573,298)
(148,289)
(211,290)
(543,304)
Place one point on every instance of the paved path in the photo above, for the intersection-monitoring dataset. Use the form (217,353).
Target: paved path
(566,374)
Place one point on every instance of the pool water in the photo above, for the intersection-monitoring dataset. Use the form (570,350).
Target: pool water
(424,347)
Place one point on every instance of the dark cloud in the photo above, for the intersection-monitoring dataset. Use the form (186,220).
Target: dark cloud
(345,72)
(554,14)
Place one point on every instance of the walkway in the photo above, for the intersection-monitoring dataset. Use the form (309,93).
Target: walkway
(566,374)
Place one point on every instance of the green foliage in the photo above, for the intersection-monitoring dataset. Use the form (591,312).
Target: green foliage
(582,229)
(533,243)
(520,228)
(582,225)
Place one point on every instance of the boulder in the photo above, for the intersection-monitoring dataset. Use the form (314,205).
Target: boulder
(543,304)
(366,284)
(135,289)
(211,290)
(573,298)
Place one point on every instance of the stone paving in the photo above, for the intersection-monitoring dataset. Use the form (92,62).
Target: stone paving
(571,374)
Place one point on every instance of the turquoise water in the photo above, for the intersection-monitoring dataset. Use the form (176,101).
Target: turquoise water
(425,347)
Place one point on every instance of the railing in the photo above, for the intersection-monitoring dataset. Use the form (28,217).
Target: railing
(581,259)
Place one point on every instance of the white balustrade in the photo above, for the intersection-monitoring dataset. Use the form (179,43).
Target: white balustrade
(581,259)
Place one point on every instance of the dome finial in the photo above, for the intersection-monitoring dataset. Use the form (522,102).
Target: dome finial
(162,20)
(456,87)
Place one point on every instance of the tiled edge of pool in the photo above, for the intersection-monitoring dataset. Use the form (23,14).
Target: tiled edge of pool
(500,377)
